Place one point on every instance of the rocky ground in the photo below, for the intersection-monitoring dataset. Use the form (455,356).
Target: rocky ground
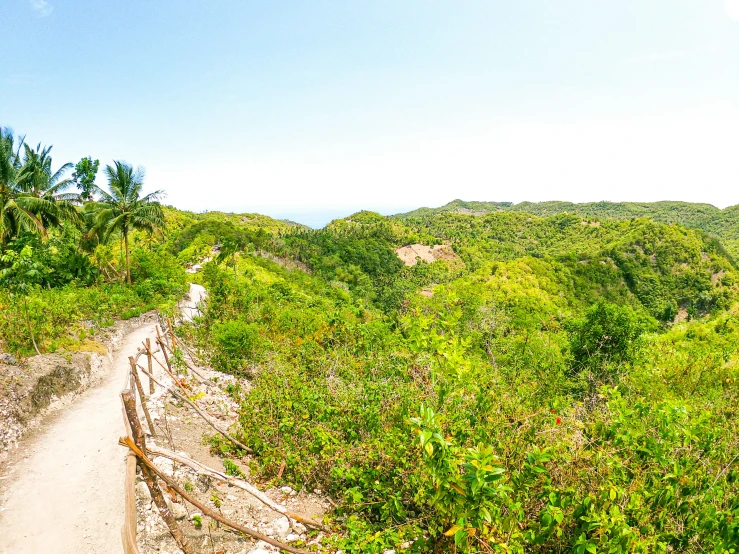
(180,429)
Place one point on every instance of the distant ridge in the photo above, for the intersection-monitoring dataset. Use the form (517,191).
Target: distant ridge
(721,224)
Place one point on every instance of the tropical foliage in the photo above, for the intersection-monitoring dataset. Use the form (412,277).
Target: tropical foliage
(59,250)
(564,380)
(569,385)
(122,209)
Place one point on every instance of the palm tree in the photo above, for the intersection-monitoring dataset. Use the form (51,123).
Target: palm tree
(123,209)
(36,179)
(18,210)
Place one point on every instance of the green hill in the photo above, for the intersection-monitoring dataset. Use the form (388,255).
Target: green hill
(722,224)
(477,378)
(565,383)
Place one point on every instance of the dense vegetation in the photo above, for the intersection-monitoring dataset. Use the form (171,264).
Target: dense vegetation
(67,248)
(722,224)
(75,256)
(539,396)
(564,382)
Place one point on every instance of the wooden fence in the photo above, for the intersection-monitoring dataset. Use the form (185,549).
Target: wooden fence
(135,440)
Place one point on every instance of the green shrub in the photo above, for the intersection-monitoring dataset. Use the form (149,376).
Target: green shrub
(606,337)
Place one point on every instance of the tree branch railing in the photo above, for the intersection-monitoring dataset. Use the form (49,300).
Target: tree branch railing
(135,440)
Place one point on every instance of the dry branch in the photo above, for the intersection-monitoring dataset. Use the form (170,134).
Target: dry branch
(239,483)
(127,441)
(128,530)
(147,347)
(195,372)
(179,395)
(162,342)
(148,360)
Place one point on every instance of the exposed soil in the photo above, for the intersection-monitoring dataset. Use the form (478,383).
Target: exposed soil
(31,390)
(411,254)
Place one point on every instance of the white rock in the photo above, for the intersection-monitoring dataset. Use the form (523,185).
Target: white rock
(165,465)
(178,511)
(292,537)
(280,526)
(143,491)
(391,551)
(287,490)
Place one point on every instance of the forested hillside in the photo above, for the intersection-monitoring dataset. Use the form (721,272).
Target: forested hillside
(564,384)
(557,383)
(722,224)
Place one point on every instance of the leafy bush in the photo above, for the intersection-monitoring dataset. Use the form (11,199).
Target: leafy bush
(235,343)
(604,338)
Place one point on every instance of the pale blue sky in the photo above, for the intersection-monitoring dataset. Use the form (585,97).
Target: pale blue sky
(328,107)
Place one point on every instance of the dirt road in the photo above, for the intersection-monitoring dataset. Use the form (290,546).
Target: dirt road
(68,494)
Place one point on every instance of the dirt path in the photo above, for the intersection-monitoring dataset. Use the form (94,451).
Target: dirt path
(69,496)
(189,308)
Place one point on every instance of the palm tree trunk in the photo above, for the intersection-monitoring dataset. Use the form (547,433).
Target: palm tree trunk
(128,258)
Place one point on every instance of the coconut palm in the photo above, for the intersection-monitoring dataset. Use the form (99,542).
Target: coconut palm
(18,209)
(122,208)
(36,179)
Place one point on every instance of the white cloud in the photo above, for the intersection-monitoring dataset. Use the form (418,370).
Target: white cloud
(732,9)
(41,7)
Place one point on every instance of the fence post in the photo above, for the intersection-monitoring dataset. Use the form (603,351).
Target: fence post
(148,359)
(136,379)
(129,404)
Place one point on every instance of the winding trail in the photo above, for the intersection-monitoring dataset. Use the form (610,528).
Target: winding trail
(69,497)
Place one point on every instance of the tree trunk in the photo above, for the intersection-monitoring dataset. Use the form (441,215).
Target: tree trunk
(28,324)
(128,258)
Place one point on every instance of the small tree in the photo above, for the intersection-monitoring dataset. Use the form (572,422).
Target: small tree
(229,248)
(17,208)
(605,337)
(83,177)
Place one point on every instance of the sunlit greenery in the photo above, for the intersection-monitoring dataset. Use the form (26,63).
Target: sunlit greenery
(566,381)
(540,399)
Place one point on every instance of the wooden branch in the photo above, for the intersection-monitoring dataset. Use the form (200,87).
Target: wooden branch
(166,369)
(171,334)
(183,397)
(239,483)
(161,342)
(127,441)
(191,368)
(135,374)
(148,359)
(138,445)
(128,530)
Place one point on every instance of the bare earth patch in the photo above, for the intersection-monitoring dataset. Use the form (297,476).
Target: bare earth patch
(410,254)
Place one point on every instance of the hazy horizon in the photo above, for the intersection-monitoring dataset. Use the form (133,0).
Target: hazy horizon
(318,217)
